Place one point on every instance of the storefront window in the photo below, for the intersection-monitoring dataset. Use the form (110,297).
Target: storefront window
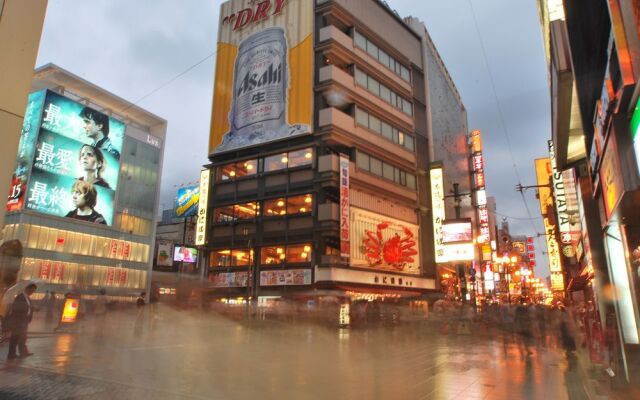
(224,214)
(226,172)
(275,162)
(275,207)
(245,210)
(246,168)
(299,204)
(220,258)
(299,253)
(272,255)
(301,157)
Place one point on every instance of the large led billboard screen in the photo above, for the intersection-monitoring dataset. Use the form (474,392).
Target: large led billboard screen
(187,201)
(264,73)
(457,231)
(73,155)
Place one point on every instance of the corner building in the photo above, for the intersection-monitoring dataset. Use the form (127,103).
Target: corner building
(317,184)
(62,251)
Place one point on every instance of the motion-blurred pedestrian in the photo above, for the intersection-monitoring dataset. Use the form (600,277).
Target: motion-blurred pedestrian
(49,306)
(524,328)
(18,321)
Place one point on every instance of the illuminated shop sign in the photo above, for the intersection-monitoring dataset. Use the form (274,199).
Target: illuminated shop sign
(481,197)
(455,231)
(635,132)
(187,201)
(479,178)
(437,206)
(165,251)
(381,242)
(229,279)
(201,224)
(285,277)
(344,206)
(376,278)
(483,215)
(460,252)
(476,142)
(68,160)
(264,73)
(543,173)
(558,191)
(611,178)
(478,163)
(553,249)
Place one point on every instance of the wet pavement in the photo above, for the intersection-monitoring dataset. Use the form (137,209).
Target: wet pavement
(190,355)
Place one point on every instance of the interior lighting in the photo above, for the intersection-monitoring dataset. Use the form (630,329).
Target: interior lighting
(249,166)
(283,212)
(232,173)
(302,209)
(307,248)
(303,255)
(282,256)
(284,159)
(307,199)
(307,155)
(280,203)
(279,250)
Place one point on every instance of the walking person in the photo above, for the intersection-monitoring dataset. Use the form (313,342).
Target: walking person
(49,306)
(18,320)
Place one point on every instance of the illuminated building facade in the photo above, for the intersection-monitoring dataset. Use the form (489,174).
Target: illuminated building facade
(323,187)
(593,55)
(82,206)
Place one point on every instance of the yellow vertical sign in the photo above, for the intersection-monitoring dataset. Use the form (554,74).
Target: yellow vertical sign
(201,224)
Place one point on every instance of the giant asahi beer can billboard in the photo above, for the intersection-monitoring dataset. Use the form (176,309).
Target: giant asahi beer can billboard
(68,160)
(264,73)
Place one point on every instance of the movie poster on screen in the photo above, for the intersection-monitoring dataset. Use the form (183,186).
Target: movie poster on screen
(187,201)
(26,148)
(76,162)
(263,88)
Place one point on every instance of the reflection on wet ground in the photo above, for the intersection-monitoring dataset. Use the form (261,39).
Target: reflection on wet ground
(187,354)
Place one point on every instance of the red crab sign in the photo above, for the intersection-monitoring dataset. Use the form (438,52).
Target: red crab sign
(382,248)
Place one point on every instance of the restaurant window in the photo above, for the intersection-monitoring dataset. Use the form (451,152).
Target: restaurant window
(246,168)
(300,204)
(275,207)
(220,258)
(227,172)
(298,254)
(276,162)
(301,157)
(245,210)
(224,214)
(272,255)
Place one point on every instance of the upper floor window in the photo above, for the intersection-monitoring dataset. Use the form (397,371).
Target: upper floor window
(383,57)
(383,92)
(384,129)
(385,170)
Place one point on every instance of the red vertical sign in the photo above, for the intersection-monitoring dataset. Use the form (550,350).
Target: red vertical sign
(344,206)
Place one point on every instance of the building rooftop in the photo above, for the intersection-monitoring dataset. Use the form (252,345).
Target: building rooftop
(48,74)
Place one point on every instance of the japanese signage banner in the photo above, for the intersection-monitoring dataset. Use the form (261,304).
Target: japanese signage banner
(187,201)
(264,73)
(437,206)
(229,279)
(26,149)
(285,277)
(553,250)
(543,174)
(75,162)
(611,177)
(560,196)
(201,224)
(344,206)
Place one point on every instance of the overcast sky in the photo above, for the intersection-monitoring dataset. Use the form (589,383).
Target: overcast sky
(132,47)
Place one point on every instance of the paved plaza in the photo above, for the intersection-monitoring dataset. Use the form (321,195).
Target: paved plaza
(191,355)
